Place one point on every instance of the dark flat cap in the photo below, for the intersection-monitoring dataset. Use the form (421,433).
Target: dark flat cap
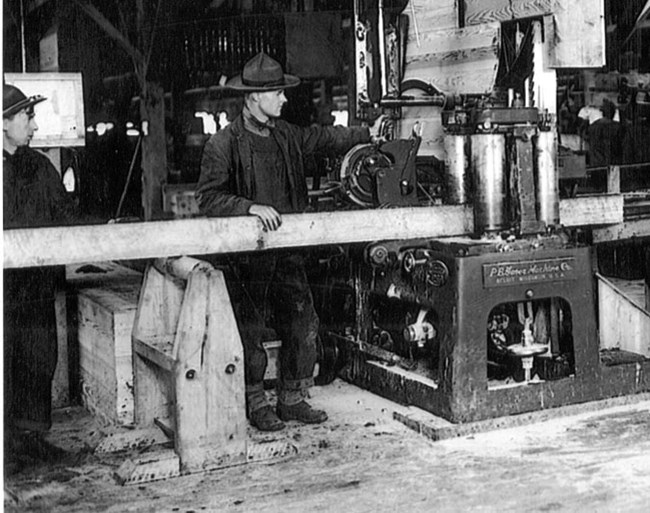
(14,100)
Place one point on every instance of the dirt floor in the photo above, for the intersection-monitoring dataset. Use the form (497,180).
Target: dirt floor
(362,459)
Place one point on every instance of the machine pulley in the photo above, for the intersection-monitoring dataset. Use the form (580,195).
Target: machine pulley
(381,175)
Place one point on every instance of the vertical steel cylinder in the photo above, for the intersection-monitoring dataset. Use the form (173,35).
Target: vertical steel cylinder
(490,182)
(546,178)
(456,169)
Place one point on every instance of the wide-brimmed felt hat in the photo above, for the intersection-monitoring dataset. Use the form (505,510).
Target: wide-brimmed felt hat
(262,73)
(14,100)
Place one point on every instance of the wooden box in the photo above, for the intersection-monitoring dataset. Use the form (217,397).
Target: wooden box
(106,316)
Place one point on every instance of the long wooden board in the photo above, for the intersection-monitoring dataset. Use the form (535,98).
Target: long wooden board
(602,209)
(639,228)
(204,236)
(78,244)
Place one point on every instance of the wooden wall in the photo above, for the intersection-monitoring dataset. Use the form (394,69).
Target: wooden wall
(577,34)
(455,44)
(577,37)
(453,59)
(458,60)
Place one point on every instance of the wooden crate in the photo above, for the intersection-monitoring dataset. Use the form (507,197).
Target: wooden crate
(106,316)
(66,389)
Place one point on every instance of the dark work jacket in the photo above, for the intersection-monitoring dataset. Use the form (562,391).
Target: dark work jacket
(605,142)
(33,196)
(227,186)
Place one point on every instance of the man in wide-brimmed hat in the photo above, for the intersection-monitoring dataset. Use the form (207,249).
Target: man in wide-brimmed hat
(254,166)
(33,195)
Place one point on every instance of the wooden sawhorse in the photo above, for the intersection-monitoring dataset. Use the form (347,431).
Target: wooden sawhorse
(188,366)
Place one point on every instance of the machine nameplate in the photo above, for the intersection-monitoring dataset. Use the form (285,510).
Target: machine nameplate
(529,271)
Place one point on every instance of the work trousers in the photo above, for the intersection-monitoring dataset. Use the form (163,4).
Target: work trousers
(273,287)
(30,346)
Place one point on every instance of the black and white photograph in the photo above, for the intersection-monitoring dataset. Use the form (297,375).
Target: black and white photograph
(326,255)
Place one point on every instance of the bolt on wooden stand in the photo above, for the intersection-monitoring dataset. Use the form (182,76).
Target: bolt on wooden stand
(189,377)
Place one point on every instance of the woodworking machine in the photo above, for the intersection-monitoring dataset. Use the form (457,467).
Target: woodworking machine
(507,311)
(498,321)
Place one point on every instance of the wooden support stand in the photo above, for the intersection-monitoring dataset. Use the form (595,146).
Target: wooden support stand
(189,375)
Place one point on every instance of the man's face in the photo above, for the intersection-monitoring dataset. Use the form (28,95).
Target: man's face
(19,129)
(271,102)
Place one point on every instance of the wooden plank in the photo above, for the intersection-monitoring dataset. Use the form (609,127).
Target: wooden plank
(592,210)
(460,61)
(429,15)
(614,179)
(486,11)
(158,352)
(61,379)
(78,244)
(639,228)
(153,396)
(444,40)
(623,323)
(153,353)
(121,439)
(210,402)
(153,466)
(577,35)
(158,308)
(433,428)
(159,463)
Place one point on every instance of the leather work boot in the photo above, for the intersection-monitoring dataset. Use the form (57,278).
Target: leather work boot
(302,412)
(265,419)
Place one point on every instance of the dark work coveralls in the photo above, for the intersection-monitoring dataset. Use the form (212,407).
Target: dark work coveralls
(246,163)
(33,196)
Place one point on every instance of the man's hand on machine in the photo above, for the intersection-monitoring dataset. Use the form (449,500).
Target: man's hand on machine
(271,219)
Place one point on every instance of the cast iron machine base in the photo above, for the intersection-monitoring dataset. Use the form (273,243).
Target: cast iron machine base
(466,371)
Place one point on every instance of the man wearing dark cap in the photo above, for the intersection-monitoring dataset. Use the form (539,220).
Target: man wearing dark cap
(255,167)
(605,137)
(33,196)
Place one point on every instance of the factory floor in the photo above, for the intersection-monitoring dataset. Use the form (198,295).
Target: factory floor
(362,460)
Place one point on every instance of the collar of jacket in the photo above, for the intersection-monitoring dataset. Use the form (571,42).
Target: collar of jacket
(252,124)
